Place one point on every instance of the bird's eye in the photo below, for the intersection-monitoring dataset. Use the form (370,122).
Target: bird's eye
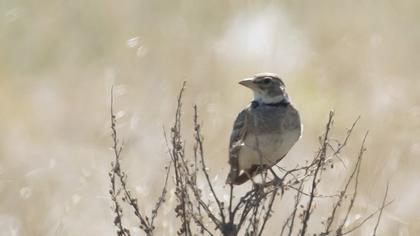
(266,81)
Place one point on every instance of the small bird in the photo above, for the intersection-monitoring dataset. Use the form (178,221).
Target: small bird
(263,132)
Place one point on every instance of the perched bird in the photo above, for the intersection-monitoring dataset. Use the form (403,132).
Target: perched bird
(263,132)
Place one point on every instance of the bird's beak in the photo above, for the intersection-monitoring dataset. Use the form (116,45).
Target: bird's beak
(248,82)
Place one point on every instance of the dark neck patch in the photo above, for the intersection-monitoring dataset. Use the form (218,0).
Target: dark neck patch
(282,103)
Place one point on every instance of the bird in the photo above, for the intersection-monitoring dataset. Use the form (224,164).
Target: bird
(264,131)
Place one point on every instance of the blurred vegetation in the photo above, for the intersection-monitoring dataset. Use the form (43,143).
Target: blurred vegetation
(59,59)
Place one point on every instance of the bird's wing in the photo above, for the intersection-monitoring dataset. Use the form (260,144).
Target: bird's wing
(239,128)
(237,136)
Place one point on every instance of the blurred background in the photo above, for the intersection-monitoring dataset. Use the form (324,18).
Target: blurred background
(59,59)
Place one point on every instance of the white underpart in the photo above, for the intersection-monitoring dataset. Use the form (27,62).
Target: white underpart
(258,96)
(266,149)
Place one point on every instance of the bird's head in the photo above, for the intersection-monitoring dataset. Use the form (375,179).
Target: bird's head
(267,87)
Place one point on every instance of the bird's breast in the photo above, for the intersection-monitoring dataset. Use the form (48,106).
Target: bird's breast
(272,144)
(266,149)
(271,133)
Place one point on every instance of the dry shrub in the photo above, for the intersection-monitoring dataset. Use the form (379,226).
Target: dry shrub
(250,213)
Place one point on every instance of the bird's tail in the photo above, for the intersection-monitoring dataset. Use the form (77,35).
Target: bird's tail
(237,179)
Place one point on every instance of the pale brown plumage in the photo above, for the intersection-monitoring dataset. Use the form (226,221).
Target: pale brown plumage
(263,132)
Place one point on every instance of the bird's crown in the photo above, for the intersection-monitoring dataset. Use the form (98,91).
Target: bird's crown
(267,87)
(266,80)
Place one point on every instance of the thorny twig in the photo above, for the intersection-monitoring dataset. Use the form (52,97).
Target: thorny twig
(115,172)
(177,154)
(145,223)
(320,160)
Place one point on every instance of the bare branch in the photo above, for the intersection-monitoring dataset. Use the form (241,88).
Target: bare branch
(381,210)
(366,219)
(199,142)
(353,198)
(321,157)
(268,211)
(349,132)
(114,192)
(339,202)
(162,196)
